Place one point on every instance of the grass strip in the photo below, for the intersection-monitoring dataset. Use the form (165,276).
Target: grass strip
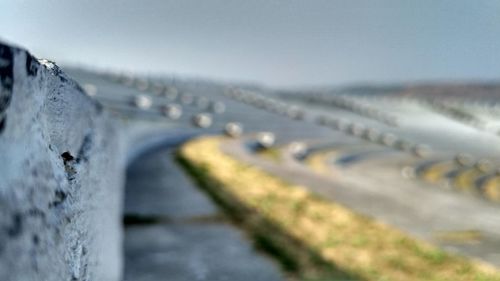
(313,238)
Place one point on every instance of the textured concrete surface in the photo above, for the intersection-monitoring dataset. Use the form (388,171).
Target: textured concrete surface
(179,234)
(61,176)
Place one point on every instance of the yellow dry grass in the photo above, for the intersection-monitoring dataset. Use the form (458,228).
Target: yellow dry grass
(310,232)
(317,161)
(436,173)
(462,237)
(465,181)
(492,189)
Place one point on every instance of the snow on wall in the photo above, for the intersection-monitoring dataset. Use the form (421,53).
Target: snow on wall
(61,175)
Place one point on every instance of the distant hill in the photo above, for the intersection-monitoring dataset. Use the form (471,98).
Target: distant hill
(469,91)
(483,92)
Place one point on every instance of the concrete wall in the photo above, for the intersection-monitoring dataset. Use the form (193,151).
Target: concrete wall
(61,175)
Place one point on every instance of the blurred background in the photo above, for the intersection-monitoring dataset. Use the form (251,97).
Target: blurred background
(390,110)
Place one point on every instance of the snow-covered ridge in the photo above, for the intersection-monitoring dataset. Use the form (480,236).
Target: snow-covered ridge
(61,176)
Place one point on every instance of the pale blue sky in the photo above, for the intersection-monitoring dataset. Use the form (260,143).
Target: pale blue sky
(279,43)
